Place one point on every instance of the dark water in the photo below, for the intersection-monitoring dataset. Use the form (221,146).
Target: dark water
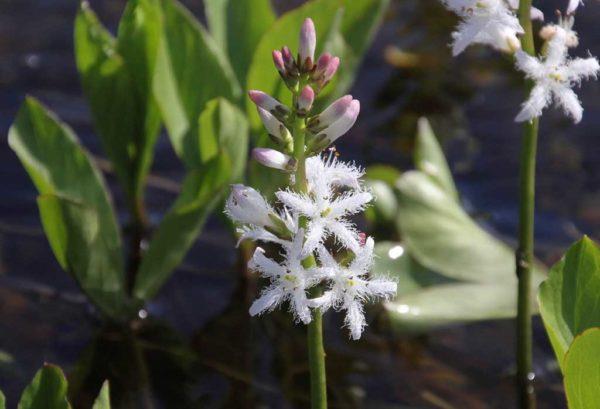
(200,348)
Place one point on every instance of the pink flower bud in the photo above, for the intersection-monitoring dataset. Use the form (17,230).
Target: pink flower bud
(288,59)
(278,60)
(362,238)
(268,103)
(572,7)
(322,64)
(331,69)
(273,159)
(305,99)
(307,43)
(344,123)
(274,127)
(331,114)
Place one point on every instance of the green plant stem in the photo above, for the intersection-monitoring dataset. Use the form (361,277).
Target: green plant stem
(316,351)
(524,255)
(138,232)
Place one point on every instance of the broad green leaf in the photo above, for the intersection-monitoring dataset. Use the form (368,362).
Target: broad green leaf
(393,260)
(60,169)
(138,38)
(429,158)
(103,399)
(384,173)
(115,77)
(2,401)
(190,71)
(569,297)
(451,304)
(385,203)
(237,26)
(75,234)
(443,238)
(202,190)
(48,390)
(582,371)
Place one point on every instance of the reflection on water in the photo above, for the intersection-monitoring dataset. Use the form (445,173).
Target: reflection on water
(199,348)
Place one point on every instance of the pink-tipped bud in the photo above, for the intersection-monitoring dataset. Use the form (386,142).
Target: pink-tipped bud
(268,103)
(278,61)
(331,69)
(307,43)
(344,123)
(322,64)
(305,100)
(274,159)
(331,114)
(288,58)
(275,128)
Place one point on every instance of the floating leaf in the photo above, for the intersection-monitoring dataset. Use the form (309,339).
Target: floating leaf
(190,71)
(48,390)
(115,77)
(429,158)
(76,212)
(582,370)
(103,399)
(569,297)
(202,190)
(237,26)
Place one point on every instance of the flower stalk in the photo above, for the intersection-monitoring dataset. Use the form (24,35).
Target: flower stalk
(524,254)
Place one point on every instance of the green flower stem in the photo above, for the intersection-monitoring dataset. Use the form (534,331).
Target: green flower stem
(524,256)
(316,351)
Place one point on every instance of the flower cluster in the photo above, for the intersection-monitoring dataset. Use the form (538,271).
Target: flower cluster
(324,261)
(554,74)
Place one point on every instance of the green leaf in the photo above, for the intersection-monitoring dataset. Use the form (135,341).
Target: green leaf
(190,71)
(75,234)
(385,203)
(237,26)
(48,390)
(569,297)
(115,76)
(442,236)
(72,194)
(202,190)
(452,304)
(582,371)
(103,399)
(429,159)
(2,401)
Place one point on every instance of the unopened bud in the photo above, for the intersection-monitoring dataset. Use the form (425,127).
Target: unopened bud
(305,100)
(278,61)
(246,205)
(572,7)
(343,124)
(274,159)
(267,102)
(288,58)
(276,129)
(307,44)
(362,238)
(331,114)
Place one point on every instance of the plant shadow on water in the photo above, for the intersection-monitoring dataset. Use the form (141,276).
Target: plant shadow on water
(210,353)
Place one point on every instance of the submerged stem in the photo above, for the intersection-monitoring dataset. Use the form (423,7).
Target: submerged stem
(524,255)
(316,350)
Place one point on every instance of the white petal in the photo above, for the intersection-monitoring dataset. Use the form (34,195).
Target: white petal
(268,301)
(580,68)
(349,204)
(299,306)
(344,233)
(355,319)
(530,65)
(363,260)
(265,265)
(570,103)
(537,101)
(573,4)
(257,234)
(315,234)
(297,202)
(382,288)
(465,35)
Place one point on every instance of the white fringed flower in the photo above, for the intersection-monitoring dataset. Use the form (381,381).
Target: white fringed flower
(326,210)
(289,281)
(351,287)
(554,75)
(490,22)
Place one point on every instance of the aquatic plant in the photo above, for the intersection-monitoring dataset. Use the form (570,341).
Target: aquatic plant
(323,261)
(549,77)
